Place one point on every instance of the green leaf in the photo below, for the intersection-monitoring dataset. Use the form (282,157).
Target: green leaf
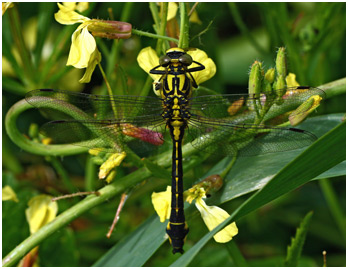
(252,173)
(295,249)
(135,249)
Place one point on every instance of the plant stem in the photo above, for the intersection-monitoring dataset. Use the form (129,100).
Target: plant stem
(163,24)
(235,254)
(142,33)
(184,27)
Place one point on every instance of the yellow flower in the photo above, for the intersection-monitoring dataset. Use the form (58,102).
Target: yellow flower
(41,211)
(212,215)
(148,59)
(161,202)
(300,114)
(5,6)
(172,9)
(113,161)
(8,194)
(79,6)
(83,51)
(291,80)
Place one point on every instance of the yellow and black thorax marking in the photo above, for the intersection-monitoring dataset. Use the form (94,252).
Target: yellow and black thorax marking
(175,89)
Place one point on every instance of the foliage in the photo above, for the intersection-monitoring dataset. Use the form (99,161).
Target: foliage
(265,195)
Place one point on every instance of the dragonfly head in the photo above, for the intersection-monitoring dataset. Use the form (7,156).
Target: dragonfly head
(175,56)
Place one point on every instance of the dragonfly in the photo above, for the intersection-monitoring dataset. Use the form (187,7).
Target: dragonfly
(226,124)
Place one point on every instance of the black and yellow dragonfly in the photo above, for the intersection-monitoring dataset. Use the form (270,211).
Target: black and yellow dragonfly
(229,124)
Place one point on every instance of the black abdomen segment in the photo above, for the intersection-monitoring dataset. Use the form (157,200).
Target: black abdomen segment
(177,228)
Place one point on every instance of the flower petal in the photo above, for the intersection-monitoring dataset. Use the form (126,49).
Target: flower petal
(41,211)
(291,80)
(94,60)
(82,46)
(82,6)
(210,68)
(66,16)
(148,59)
(172,10)
(113,161)
(8,194)
(212,217)
(161,202)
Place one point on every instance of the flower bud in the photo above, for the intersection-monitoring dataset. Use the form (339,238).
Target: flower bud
(270,75)
(211,184)
(255,79)
(281,62)
(267,82)
(149,136)
(113,161)
(291,80)
(110,29)
(301,113)
(33,130)
(280,88)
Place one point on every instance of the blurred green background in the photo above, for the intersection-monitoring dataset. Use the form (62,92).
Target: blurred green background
(234,36)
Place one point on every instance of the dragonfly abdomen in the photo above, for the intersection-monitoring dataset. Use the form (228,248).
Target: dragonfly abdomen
(177,228)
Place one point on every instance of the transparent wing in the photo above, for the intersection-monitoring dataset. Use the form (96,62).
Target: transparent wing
(228,138)
(98,121)
(95,106)
(224,124)
(110,135)
(227,105)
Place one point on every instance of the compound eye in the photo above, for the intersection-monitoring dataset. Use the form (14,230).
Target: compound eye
(164,60)
(185,59)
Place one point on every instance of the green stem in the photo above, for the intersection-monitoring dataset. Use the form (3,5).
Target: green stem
(162,30)
(334,88)
(184,27)
(228,167)
(155,15)
(334,205)
(91,174)
(113,59)
(108,88)
(29,145)
(142,33)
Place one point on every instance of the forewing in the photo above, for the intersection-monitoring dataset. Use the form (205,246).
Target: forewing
(98,121)
(234,105)
(70,105)
(222,137)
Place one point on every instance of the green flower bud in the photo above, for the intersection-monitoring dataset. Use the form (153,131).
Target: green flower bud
(279,88)
(281,62)
(270,75)
(33,130)
(110,29)
(301,113)
(255,79)
(267,82)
